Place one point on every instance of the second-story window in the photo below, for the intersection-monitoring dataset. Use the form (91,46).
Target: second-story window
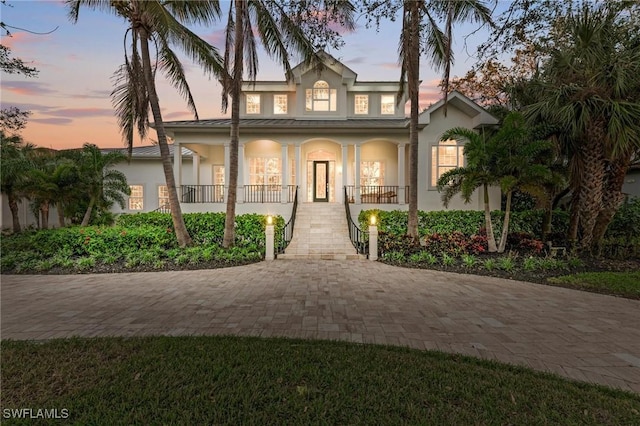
(279,104)
(362,104)
(387,104)
(253,104)
(321,97)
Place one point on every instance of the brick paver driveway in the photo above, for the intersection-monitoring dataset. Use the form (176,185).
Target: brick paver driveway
(579,335)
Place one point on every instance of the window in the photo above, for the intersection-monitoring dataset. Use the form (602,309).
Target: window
(279,104)
(163,196)
(136,199)
(362,104)
(321,97)
(445,156)
(387,104)
(371,173)
(218,182)
(253,104)
(265,171)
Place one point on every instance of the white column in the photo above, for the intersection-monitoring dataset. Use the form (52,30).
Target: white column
(269,243)
(177,167)
(357,172)
(241,168)
(196,169)
(284,166)
(373,242)
(227,161)
(345,164)
(401,167)
(298,170)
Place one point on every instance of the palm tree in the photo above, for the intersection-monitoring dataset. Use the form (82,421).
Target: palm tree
(477,173)
(14,167)
(280,34)
(100,182)
(590,88)
(421,34)
(162,23)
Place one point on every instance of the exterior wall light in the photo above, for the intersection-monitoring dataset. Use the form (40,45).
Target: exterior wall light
(373,220)
(269,220)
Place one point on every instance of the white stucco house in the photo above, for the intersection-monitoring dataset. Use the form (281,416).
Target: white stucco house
(322,133)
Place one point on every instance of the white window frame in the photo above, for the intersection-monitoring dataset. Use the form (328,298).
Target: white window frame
(259,173)
(252,103)
(163,195)
(387,107)
(136,199)
(361,104)
(280,104)
(369,166)
(437,159)
(321,94)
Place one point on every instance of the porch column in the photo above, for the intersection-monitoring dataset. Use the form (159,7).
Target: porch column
(284,167)
(345,174)
(298,166)
(240,190)
(401,167)
(177,168)
(227,160)
(196,169)
(357,172)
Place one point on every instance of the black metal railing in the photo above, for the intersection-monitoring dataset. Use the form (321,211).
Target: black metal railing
(287,232)
(358,237)
(376,194)
(164,208)
(263,193)
(202,193)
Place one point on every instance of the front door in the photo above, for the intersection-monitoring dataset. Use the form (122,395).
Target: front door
(321,181)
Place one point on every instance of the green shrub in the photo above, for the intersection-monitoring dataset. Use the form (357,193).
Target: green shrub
(506,263)
(530,264)
(469,260)
(85,263)
(626,222)
(489,264)
(448,260)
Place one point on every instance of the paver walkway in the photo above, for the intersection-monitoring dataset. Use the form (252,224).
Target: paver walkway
(579,335)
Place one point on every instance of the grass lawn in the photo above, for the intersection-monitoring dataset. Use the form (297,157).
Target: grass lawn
(234,380)
(626,284)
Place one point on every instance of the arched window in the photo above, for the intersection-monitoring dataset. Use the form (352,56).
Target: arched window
(321,97)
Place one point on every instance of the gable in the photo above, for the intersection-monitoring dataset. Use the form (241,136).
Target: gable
(477,116)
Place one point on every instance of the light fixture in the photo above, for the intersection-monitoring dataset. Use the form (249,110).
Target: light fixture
(373,220)
(269,220)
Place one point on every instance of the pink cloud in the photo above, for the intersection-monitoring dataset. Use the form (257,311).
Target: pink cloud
(389,65)
(82,112)
(215,38)
(54,121)
(26,88)
(177,114)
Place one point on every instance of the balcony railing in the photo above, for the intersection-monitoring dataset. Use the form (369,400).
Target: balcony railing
(377,194)
(252,193)
(203,193)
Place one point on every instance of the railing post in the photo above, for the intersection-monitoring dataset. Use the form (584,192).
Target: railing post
(270,241)
(373,240)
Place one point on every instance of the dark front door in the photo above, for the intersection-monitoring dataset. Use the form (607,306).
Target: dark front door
(321,181)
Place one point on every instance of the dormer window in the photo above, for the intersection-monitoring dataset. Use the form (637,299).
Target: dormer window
(321,97)
(361,104)
(253,104)
(387,104)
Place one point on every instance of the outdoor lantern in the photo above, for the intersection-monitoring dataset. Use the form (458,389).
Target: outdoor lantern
(373,220)
(269,220)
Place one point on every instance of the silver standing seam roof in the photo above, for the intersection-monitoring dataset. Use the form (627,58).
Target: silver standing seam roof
(149,151)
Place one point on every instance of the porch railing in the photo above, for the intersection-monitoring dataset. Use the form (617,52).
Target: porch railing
(164,208)
(358,237)
(377,194)
(287,232)
(203,193)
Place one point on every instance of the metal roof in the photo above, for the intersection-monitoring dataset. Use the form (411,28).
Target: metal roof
(150,151)
(290,123)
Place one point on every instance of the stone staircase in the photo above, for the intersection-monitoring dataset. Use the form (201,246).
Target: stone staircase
(321,232)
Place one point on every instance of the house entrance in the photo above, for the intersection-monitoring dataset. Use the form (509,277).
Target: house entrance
(321,181)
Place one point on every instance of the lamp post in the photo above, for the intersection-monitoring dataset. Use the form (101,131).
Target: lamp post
(373,238)
(270,240)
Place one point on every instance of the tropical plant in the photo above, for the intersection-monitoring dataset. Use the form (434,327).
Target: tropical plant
(280,33)
(590,88)
(162,23)
(14,167)
(101,184)
(476,174)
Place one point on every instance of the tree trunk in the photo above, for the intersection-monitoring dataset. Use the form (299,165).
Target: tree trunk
(505,224)
(238,48)
(61,219)
(413,80)
(87,214)
(591,184)
(612,196)
(184,239)
(13,206)
(44,211)
(491,239)
(546,220)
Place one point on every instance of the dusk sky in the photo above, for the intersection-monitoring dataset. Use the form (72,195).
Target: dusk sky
(70,98)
